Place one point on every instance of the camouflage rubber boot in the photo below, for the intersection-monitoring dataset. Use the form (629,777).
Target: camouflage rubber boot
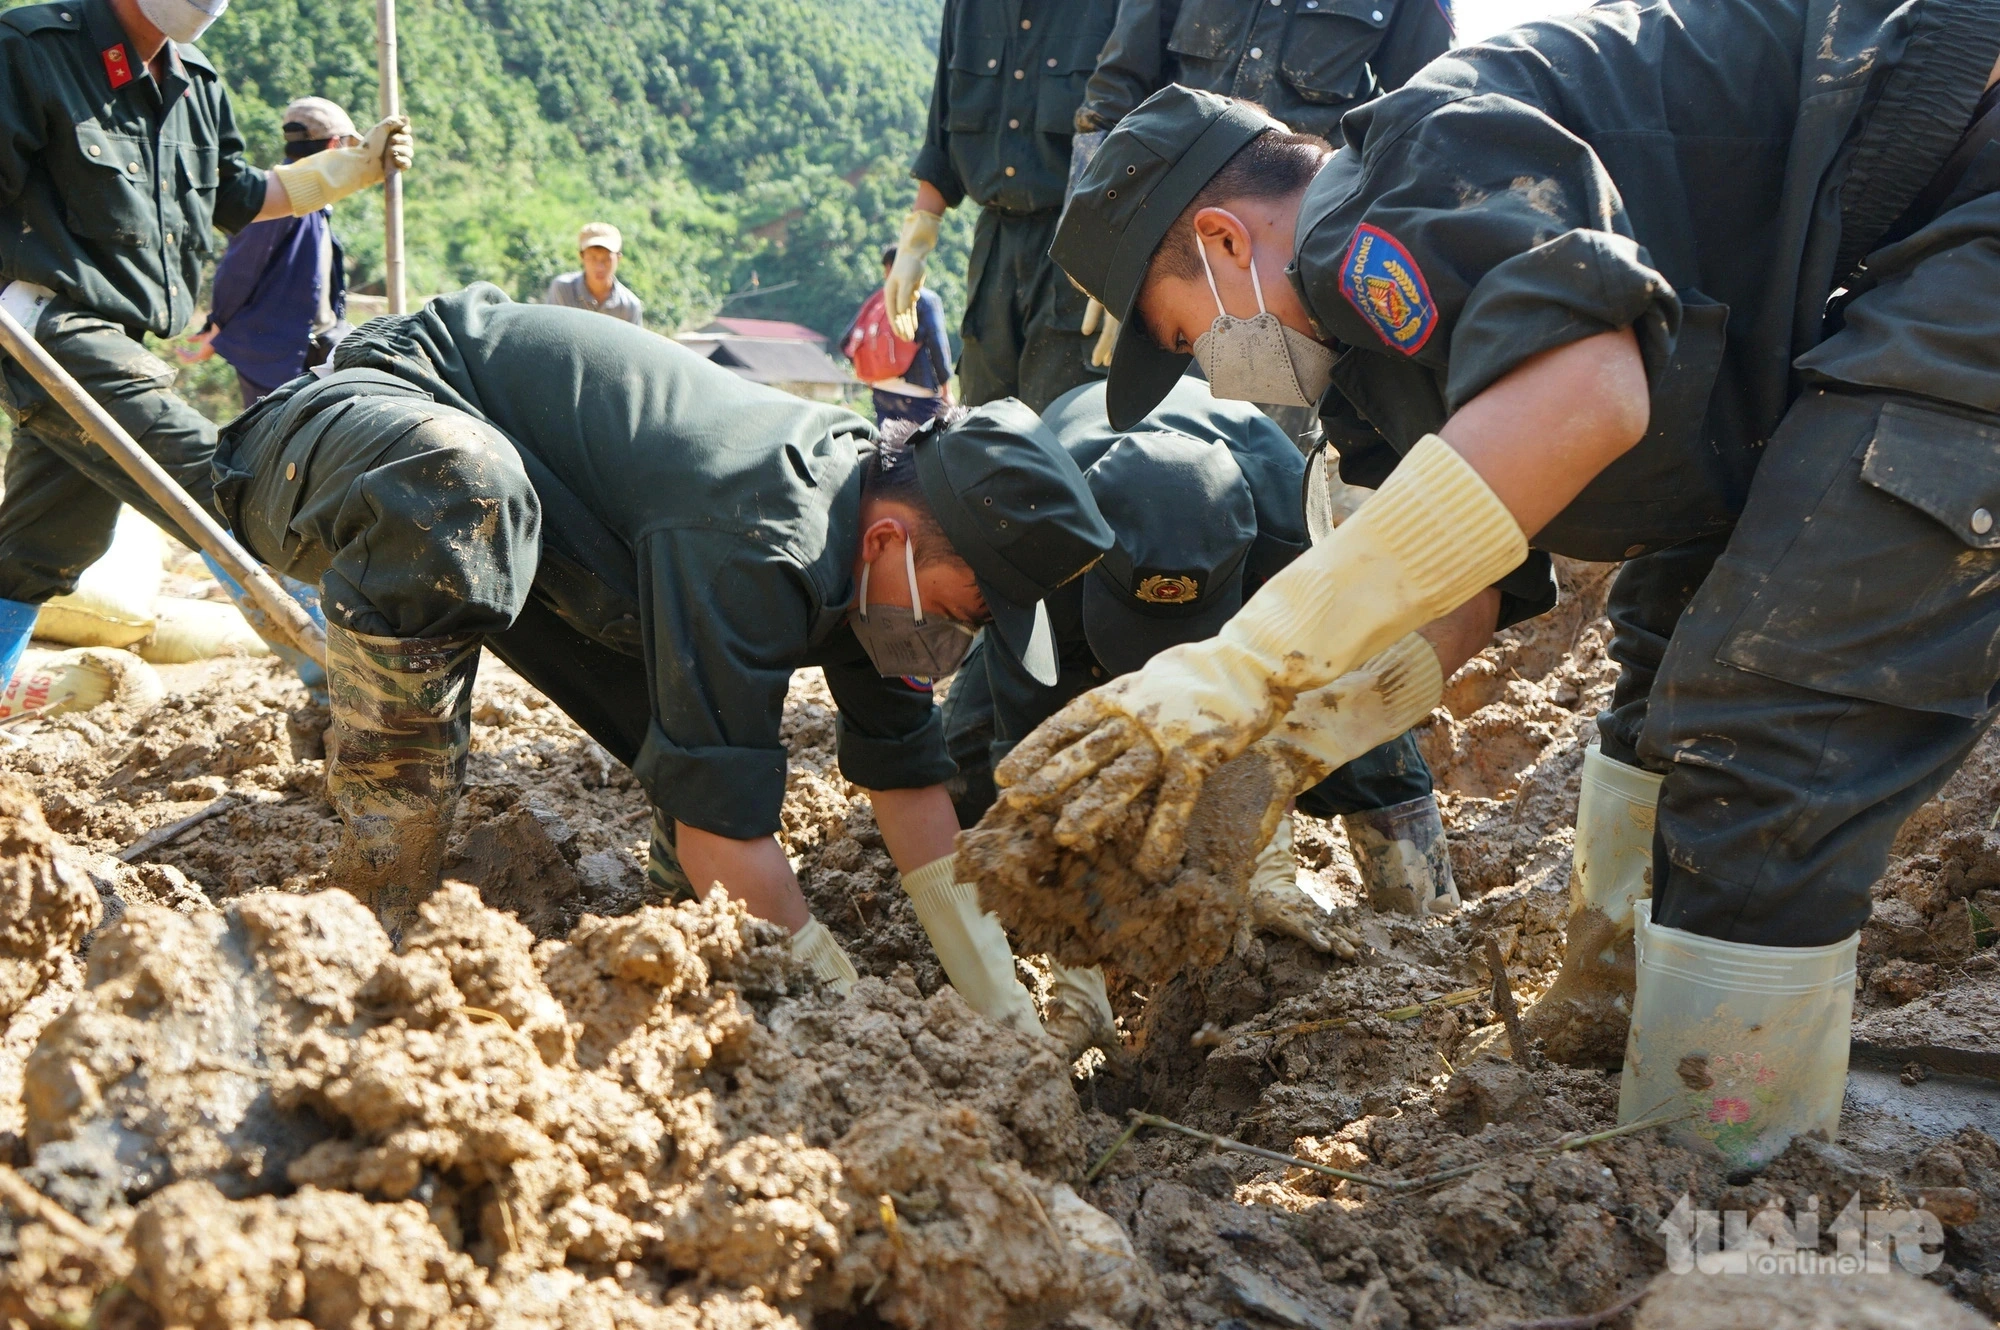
(664,874)
(1403,856)
(402,724)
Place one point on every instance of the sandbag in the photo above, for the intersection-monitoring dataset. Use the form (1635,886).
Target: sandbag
(53,682)
(112,605)
(188,630)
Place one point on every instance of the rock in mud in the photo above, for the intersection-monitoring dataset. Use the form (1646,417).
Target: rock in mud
(47,904)
(1888,1301)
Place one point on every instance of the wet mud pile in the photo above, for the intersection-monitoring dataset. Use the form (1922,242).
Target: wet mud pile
(563,1102)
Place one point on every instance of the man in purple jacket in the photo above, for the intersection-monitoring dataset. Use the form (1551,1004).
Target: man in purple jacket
(280,290)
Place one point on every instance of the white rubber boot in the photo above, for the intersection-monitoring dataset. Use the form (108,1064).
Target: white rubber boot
(1582,1019)
(1749,1042)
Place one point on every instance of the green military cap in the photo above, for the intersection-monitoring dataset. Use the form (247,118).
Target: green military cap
(1143,177)
(1015,507)
(1185,521)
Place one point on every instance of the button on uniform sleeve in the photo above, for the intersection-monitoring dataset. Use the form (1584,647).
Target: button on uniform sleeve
(726,622)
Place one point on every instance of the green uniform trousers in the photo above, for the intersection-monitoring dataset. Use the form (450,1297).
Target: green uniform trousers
(62,490)
(1023,322)
(1842,656)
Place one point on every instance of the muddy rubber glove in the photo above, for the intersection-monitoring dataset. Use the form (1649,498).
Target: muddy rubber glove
(1278,904)
(815,946)
(1080,1016)
(1096,319)
(1430,539)
(327,177)
(906,275)
(970,945)
(78,680)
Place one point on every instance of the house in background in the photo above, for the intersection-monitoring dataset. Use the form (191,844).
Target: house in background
(790,356)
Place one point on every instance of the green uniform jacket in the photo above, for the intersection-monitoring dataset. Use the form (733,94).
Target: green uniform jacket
(690,517)
(109,181)
(1304,61)
(1706,173)
(1010,74)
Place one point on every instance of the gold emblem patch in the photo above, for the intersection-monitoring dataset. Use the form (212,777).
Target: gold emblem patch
(1160,589)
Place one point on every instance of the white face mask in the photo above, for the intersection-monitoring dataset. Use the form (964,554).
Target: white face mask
(901,641)
(1260,359)
(182,20)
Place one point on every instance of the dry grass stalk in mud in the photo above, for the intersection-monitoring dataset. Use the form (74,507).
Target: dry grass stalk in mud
(1088,905)
(267,1113)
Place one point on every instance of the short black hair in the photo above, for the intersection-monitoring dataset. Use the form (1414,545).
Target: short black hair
(1274,165)
(888,256)
(891,473)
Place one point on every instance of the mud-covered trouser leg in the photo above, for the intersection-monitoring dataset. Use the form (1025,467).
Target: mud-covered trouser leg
(1023,326)
(396,750)
(62,490)
(1836,668)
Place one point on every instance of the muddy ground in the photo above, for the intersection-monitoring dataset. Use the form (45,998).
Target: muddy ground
(242,1106)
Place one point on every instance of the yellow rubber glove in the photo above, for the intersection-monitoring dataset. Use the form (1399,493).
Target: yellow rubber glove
(970,944)
(906,275)
(1097,319)
(1428,540)
(327,177)
(1080,1016)
(1278,904)
(815,946)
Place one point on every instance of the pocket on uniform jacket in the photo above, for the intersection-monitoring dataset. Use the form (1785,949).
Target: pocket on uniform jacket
(1060,91)
(974,88)
(102,178)
(1890,589)
(198,168)
(1327,45)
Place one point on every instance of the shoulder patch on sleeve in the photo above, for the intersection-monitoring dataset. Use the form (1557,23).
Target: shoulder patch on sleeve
(1385,286)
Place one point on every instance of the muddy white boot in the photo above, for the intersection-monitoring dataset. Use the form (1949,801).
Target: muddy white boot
(1749,1042)
(815,946)
(396,750)
(1403,856)
(971,945)
(1080,1011)
(1581,1020)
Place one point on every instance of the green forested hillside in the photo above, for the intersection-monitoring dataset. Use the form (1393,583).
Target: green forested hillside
(726,138)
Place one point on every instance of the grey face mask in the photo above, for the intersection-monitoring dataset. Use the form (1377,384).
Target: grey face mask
(904,642)
(1260,359)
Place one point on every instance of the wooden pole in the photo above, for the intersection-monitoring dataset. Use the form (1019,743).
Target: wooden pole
(392,180)
(161,487)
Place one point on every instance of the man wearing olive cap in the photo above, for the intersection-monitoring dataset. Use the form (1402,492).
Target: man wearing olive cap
(119,156)
(1704,288)
(656,544)
(1203,498)
(599,248)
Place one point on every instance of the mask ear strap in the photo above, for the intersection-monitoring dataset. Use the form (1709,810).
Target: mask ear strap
(910,567)
(1256,285)
(1209,273)
(862,610)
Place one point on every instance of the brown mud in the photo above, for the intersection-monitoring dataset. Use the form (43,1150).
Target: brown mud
(606,1111)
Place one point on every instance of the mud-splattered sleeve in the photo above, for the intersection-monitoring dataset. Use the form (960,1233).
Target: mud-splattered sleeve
(1133,64)
(1470,233)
